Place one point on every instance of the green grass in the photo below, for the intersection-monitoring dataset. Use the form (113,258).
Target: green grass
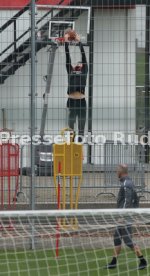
(70,262)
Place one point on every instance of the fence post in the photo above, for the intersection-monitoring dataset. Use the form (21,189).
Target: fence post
(32,114)
(147,78)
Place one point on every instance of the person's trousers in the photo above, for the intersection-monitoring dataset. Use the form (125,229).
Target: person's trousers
(77,109)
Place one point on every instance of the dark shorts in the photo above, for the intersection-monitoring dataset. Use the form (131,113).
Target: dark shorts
(77,104)
(123,233)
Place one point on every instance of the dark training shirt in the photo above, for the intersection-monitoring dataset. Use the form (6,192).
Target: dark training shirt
(125,195)
(76,79)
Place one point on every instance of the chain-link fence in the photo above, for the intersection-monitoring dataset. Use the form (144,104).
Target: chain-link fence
(111,111)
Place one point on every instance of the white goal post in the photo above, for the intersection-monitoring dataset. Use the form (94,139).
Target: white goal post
(70,242)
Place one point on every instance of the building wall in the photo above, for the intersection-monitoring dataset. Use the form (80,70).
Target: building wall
(114,71)
(140,25)
(114,75)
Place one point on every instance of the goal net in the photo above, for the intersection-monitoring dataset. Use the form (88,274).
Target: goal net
(76,242)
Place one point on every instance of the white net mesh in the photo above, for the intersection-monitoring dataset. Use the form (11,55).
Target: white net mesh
(72,242)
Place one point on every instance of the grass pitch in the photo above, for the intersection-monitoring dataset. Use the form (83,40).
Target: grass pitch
(70,262)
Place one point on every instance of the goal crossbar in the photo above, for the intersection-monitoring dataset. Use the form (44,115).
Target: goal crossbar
(75,212)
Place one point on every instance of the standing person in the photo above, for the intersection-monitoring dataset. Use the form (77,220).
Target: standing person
(77,76)
(124,232)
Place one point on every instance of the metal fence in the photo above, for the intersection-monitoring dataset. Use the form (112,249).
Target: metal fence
(34,82)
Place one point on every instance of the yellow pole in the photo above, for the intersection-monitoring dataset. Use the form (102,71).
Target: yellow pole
(78,193)
(71,197)
(71,192)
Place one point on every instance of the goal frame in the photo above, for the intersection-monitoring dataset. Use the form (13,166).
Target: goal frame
(73,212)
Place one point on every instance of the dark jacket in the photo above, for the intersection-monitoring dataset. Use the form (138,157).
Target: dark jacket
(76,80)
(125,195)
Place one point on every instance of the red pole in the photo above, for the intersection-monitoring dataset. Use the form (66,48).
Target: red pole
(58,207)
(2,183)
(9,203)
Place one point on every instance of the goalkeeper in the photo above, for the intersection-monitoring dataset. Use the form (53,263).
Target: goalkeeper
(124,232)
